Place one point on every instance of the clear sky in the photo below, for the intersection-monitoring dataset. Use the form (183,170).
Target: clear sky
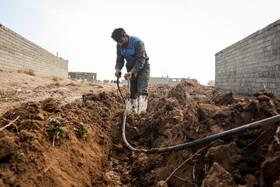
(181,36)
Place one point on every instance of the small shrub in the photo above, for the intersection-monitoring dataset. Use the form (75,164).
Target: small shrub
(55,78)
(54,122)
(57,130)
(57,84)
(20,156)
(29,72)
(82,130)
(211,83)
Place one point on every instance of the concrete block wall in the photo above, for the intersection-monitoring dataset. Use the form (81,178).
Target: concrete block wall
(246,66)
(18,53)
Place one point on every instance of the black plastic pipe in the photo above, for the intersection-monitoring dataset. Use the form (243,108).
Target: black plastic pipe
(118,84)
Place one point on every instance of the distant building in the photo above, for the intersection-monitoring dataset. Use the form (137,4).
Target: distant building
(86,76)
(162,80)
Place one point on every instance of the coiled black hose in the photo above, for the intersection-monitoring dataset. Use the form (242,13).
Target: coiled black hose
(230,132)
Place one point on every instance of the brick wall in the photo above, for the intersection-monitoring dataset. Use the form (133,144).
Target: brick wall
(246,66)
(18,53)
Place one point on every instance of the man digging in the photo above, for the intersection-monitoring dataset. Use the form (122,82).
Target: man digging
(132,50)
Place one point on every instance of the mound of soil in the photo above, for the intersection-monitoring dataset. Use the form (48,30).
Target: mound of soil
(38,157)
(80,143)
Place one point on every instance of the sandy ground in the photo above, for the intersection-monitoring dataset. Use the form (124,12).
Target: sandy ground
(69,133)
(17,88)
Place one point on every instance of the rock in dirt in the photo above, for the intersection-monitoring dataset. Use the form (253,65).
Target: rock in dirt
(25,135)
(206,111)
(50,105)
(251,180)
(270,171)
(114,177)
(142,158)
(225,98)
(7,146)
(225,155)
(162,184)
(218,176)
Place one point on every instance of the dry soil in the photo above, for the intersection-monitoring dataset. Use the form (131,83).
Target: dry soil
(68,133)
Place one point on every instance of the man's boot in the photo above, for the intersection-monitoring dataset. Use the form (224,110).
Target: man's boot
(143,103)
(135,105)
(132,104)
(129,105)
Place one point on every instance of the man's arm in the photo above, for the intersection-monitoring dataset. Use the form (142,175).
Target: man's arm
(140,53)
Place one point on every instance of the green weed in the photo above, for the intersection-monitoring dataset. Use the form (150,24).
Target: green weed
(57,130)
(20,156)
(83,104)
(29,72)
(82,130)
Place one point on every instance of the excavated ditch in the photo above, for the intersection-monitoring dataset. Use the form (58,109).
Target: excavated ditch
(92,152)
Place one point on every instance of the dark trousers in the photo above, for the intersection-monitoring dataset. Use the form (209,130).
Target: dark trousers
(139,83)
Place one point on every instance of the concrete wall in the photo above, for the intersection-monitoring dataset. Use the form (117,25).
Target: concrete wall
(246,66)
(19,53)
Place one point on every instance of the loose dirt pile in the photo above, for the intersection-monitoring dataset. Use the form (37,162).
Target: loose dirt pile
(80,143)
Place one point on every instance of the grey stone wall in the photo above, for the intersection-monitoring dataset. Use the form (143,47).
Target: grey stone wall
(246,66)
(18,53)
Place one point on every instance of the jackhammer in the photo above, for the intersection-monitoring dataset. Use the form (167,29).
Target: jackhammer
(237,130)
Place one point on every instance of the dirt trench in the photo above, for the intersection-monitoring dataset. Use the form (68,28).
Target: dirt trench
(80,144)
